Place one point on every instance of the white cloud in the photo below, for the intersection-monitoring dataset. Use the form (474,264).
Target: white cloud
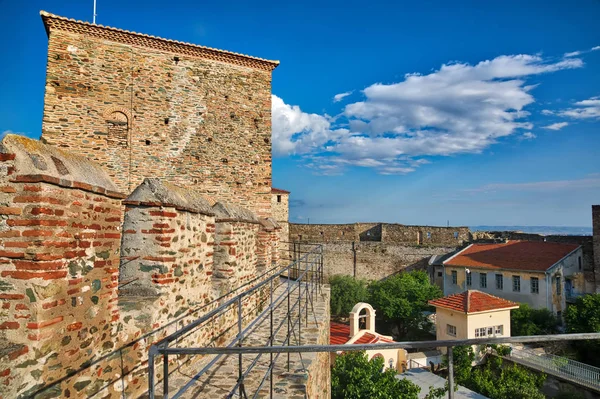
(557,126)
(341,96)
(573,54)
(528,136)
(585,109)
(555,185)
(295,131)
(460,108)
(595,48)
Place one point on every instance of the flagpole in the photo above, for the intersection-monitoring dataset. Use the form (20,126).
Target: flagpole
(94,17)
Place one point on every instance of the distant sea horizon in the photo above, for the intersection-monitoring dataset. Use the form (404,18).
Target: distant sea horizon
(543,230)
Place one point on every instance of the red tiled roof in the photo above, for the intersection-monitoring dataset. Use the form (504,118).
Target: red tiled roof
(473,301)
(339,334)
(369,338)
(278,191)
(512,255)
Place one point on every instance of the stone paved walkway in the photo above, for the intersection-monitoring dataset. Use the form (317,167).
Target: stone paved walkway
(221,378)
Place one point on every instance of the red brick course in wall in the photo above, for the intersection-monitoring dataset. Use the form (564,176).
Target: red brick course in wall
(148,107)
(58,266)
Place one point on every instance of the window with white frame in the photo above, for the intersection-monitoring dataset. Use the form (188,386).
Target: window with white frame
(454,277)
(483,280)
(516,283)
(499,282)
(469,279)
(451,330)
(558,285)
(489,331)
(535,285)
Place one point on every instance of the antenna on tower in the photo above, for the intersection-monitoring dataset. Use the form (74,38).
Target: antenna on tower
(94,17)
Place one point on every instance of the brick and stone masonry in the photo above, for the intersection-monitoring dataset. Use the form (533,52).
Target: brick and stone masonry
(66,271)
(143,106)
(60,219)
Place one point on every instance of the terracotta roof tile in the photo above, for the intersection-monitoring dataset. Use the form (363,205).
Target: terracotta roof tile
(339,334)
(512,255)
(278,191)
(57,22)
(473,301)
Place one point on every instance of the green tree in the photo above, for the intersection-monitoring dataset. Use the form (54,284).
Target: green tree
(400,301)
(498,381)
(584,317)
(346,292)
(495,380)
(462,360)
(529,321)
(353,376)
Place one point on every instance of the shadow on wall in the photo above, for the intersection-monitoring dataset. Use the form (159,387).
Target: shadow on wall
(372,233)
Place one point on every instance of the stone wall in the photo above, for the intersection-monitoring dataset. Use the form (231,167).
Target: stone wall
(149,107)
(381,232)
(425,235)
(59,263)
(374,260)
(66,271)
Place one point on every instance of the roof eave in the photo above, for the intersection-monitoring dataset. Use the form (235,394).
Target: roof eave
(269,65)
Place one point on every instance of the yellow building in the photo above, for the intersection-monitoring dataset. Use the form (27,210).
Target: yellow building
(541,274)
(472,314)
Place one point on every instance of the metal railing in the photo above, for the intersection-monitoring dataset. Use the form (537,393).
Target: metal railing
(558,366)
(297,298)
(448,344)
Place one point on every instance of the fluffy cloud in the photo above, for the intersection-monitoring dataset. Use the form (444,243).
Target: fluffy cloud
(341,96)
(557,126)
(298,132)
(460,108)
(528,136)
(586,109)
(595,48)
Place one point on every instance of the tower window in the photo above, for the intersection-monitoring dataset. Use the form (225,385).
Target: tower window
(279,198)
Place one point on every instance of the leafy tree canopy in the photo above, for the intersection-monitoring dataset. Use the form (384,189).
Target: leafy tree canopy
(353,376)
(582,317)
(345,293)
(529,321)
(495,380)
(401,300)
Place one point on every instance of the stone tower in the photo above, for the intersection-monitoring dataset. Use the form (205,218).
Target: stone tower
(144,106)
(280,207)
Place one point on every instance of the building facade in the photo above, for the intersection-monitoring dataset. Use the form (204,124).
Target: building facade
(541,274)
(143,106)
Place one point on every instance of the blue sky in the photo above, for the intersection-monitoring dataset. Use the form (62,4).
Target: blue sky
(410,112)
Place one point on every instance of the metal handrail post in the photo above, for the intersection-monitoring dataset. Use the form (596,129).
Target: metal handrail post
(450,374)
(288,323)
(240,332)
(299,311)
(151,353)
(271,342)
(165,375)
